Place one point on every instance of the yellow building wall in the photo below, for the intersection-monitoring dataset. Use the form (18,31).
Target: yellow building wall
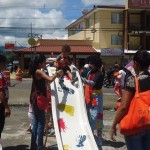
(77,36)
(101,22)
(105,29)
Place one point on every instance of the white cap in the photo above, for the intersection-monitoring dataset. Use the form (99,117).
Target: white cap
(86,66)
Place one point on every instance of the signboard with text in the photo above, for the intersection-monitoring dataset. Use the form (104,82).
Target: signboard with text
(9,46)
(111,52)
(139,4)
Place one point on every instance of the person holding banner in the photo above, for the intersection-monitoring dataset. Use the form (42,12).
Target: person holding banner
(39,89)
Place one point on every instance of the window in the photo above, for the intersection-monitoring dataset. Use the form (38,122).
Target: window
(116,40)
(77,28)
(116,18)
(80,26)
(88,23)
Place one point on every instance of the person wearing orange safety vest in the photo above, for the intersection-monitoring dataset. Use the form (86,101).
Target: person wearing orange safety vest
(94,97)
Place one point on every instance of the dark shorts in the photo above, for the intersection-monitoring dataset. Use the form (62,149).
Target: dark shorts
(2,118)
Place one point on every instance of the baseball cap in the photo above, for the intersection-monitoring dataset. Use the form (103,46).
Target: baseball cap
(86,66)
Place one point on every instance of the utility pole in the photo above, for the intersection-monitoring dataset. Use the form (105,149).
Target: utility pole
(32,41)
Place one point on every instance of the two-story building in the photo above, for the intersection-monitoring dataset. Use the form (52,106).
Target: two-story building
(103,25)
(137,26)
(117,32)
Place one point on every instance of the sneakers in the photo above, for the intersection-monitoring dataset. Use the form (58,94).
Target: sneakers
(29,130)
(52,131)
(119,99)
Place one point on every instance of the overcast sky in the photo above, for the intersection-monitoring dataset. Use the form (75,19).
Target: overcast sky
(46,17)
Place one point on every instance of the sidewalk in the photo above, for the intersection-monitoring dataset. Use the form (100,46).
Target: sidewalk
(13,77)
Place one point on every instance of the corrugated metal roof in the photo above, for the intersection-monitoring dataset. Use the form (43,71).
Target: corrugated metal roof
(57,49)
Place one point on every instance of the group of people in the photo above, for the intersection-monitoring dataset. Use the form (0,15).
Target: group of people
(92,78)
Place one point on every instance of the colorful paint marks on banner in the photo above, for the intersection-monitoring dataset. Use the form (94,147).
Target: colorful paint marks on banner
(67,108)
(81,139)
(62,126)
(66,147)
(69,90)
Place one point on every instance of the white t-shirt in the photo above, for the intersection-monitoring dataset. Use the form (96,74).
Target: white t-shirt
(121,76)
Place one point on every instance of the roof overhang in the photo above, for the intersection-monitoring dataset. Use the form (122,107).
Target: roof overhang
(80,49)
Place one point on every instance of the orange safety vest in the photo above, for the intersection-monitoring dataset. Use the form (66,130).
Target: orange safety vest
(89,89)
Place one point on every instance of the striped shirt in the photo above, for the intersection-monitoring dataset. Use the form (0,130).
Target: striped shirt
(144,82)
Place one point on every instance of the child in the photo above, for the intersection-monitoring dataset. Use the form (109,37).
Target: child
(117,86)
(63,61)
(4,107)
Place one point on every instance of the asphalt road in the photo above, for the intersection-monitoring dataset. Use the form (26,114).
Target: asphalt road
(15,136)
(19,94)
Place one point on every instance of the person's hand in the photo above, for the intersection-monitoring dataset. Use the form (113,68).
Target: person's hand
(113,133)
(59,73)
(7,112)
(56,64)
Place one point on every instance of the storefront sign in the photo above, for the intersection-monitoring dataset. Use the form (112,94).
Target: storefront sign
(111,52)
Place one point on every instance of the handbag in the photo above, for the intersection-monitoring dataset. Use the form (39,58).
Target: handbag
(137,118)
(42,101)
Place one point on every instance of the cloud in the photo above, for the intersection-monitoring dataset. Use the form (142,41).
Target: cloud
(48,18)
(17,18)
(103,2)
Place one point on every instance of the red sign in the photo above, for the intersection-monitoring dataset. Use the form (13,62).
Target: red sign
(9,45)
(139,4)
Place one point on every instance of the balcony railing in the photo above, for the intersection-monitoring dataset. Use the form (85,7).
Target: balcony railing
(138,27)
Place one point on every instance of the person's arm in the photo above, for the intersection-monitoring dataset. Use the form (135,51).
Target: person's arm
(93,81)
(5,103)
(88,82)
(121,112)
(40,74)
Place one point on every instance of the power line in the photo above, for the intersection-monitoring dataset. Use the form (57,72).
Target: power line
(91,18)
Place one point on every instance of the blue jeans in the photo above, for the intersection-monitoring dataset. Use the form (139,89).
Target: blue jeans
(38,128)
(140,141)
